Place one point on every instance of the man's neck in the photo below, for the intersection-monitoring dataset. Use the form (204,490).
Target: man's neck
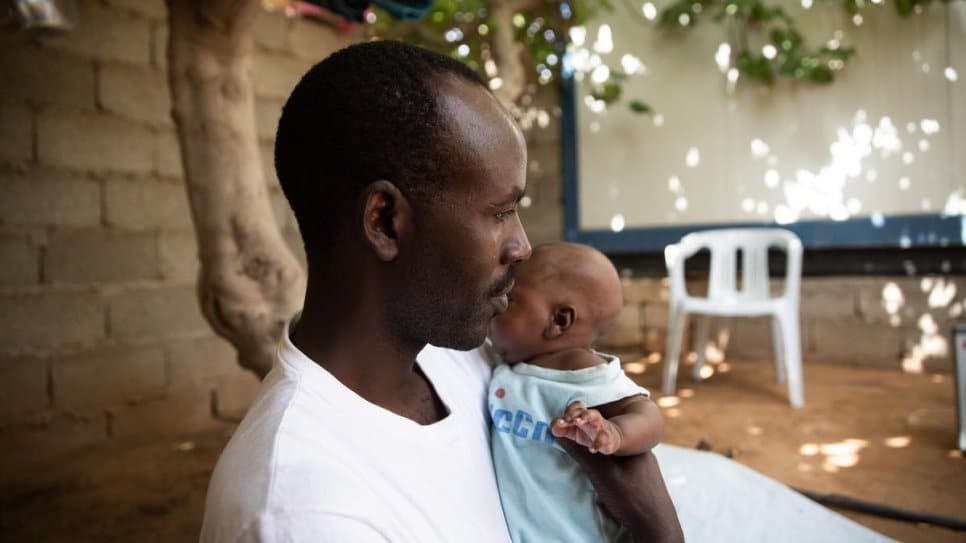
(368,360)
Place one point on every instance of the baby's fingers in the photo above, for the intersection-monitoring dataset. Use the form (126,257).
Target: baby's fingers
(561,428)
(575,412)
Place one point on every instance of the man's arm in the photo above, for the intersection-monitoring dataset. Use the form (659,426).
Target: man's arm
(633,491)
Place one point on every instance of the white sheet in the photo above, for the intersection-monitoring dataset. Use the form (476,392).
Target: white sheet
(720,500)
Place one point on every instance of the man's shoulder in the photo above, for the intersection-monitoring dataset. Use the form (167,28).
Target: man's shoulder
(471,368)
(272,465)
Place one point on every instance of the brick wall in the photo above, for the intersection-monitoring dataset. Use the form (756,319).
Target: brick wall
(100,334)
(888,322)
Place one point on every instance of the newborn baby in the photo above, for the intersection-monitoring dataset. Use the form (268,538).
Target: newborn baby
(552,384)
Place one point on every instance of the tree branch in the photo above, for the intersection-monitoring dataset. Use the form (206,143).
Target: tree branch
(250,285)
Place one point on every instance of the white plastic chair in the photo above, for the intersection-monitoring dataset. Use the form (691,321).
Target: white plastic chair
(724,298)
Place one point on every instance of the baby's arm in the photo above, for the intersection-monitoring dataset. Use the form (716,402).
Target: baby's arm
(626,427)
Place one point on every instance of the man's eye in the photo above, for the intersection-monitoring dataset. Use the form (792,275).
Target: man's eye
(505,214)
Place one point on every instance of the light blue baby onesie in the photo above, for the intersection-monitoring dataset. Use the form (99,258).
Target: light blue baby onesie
(546,497)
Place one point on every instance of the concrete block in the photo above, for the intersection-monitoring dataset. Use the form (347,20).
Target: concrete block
(314,42)
(167,161)
(628,332)
(903,301)
(233,396)
(86,256)
(159,312)
(105,34)
(16,133)
(749,338)
(23,386)
(179,257)
(655,340)
(159,45)
(19,261)
(853,342)
(108,376)
(267,113)
(181,413)
(93,142)
(828,298)
(152,9)
(201,362)
(49,199)
(146,204)
(136,92)
(35,444)
(50,319)
(271,30)
(36,76)
(696,287)
(645,290)
(275,74)
(655,314)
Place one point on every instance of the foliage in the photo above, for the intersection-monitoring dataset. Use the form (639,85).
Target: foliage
(768,46)
(784,53)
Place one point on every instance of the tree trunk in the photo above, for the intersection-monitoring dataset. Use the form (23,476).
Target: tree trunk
(250,285)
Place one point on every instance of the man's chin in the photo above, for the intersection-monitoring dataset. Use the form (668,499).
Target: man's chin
(466,342)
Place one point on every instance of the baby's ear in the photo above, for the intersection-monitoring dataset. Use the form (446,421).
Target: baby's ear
(563,317)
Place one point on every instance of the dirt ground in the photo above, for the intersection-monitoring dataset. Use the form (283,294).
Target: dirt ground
(876,435)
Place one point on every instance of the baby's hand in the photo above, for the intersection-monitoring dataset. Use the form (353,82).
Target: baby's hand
(588,428)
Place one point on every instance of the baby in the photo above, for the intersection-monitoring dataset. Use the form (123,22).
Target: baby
(554,385)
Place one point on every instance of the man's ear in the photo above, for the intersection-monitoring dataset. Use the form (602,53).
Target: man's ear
(386,217)
(562,319)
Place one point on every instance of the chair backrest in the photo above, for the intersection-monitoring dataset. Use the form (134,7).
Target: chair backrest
(724,245)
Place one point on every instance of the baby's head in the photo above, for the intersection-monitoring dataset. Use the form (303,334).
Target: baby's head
(566,296)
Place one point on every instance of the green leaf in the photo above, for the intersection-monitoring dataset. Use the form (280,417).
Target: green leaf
(640,107)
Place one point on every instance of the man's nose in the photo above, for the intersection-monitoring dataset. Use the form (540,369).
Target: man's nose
(517,247)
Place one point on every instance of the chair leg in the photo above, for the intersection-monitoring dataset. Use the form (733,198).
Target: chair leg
(701,344)
(778,348)
(792,343)
(675,329)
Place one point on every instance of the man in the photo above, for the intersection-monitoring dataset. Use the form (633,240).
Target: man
(404,174)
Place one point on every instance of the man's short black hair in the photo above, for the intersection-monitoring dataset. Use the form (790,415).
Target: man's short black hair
(365,113)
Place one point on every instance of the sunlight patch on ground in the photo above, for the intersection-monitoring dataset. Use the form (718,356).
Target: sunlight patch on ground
(841,454)
(668,401)
(897,442)
(635,367)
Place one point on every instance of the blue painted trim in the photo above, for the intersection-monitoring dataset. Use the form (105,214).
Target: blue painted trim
(898,231)
(568,157)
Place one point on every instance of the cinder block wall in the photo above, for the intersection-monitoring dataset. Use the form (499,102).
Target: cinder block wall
(887,322)
(101,337)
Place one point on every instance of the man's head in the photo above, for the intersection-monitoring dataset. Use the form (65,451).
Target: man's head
(566,296)
(401,166)
(367,112)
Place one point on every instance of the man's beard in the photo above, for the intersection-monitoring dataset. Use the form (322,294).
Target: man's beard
(445,316)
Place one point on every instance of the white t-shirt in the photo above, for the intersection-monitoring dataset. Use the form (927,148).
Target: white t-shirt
(313,461)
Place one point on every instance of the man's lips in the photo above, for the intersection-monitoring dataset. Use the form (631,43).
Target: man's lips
(508,288)
(500,300)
